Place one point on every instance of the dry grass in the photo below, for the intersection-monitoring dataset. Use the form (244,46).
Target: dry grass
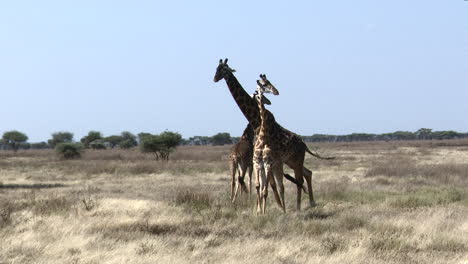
(378,202)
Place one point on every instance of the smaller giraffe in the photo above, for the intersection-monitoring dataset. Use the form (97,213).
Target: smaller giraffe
(267,163)
(241,161)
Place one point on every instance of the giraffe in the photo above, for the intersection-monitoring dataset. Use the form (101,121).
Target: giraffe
(267,163)
(290,146)
(241,161)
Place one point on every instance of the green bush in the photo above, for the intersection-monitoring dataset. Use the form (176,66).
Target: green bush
(69,150)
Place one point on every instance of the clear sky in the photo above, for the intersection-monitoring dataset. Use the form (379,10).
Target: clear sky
(340,66)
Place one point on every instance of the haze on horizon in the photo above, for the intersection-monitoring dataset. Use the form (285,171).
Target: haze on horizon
(147,66)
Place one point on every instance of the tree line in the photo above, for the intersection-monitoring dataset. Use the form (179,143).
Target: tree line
(15,140)
(163,144)
(420,134)
(160,145)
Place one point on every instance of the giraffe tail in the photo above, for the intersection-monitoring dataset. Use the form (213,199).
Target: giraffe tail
(317,155)
(290,178)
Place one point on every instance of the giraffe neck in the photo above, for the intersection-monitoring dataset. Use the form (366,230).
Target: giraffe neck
(263,132)
(248,134)
(246,103)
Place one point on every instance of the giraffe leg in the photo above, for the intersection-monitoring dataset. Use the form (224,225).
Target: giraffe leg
(241,178)
(258,171)
(271,179)
(308,177)
(236,191)
(263,189)
(233,167)
(278,173)
(250,168)
(265,195)
(298,173)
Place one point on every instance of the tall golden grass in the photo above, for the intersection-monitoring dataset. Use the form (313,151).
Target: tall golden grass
(378,202)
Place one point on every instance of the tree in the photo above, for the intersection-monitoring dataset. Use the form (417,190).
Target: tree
(69,150)
(128,140)
(92,136)
(160,145)
(113,140)
(170,141)
(142,136)
(221,139)
(151,144)
(14,139)
(97,144)
(60,137)
(445,134)
(424,133)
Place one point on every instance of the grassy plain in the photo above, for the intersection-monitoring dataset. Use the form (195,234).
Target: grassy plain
(378,202)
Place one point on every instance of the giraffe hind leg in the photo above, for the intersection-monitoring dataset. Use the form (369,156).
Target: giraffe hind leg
(241,178)
(308,177)
(278,173)
(272,181)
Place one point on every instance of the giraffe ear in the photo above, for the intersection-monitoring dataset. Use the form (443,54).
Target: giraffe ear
(220,61)
(232,70)
(225,61)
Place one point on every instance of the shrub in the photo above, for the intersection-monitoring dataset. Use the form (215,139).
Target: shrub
(69,150)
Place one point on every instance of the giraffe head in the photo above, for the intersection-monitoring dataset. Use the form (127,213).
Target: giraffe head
(264,86)
(222,71)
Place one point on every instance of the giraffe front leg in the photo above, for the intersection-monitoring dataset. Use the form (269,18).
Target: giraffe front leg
(258,169)
(264,180)
(250,167)
(233,167)
(239,182)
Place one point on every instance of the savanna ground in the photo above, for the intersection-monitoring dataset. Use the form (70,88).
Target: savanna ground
(378,202)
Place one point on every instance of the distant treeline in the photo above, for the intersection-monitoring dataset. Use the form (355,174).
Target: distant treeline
(16,140)
(421,134)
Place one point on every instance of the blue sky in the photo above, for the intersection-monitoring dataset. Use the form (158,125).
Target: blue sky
(340,66)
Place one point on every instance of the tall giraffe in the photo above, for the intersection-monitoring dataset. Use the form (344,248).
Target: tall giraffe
(290,145)
(267,163)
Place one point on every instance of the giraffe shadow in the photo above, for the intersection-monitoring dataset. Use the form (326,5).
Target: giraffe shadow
(32,186)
